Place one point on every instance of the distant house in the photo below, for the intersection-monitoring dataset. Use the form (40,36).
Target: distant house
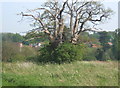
(110,43)
(98,46)
(19,44)
(30,45)
(36,44)
(33,45)
(39,44)
(95,46)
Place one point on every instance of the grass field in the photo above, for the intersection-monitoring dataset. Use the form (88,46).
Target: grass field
(93,73)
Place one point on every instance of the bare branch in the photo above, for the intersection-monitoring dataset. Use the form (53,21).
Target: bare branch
(33,38)
(69,6)
(82,6)
(60,12)
(90,29)
(75,2)
(40,21)
(43,9)
(98,19)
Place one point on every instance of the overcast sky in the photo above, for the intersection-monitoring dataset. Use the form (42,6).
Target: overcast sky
(9,18)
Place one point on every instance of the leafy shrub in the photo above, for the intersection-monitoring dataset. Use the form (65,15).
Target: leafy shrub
(11,52)
(28,51)
(89,58)
(68,52)
(89,54)
(33,58)
(99,54)
(65,52)
(104,55)
(17,57)
(12,37)
(108,55)
(45,54)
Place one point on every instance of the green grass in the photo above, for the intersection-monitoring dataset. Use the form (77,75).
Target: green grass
(0,73)
(94,73)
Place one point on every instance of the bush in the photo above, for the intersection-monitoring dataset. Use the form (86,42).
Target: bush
(89,54)
(45,54)
(65,52)
(17,57)
(99,54)
(89,58)
(104,55)
(32,58)
(108,55)
(11,52)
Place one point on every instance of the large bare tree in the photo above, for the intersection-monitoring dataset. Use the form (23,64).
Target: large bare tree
(79,17)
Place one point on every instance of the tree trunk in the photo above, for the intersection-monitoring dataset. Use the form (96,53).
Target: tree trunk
(54,44)
(74,39)
(71,22)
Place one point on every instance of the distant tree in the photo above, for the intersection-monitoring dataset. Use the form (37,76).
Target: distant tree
(12,37)
(9,49)
(116,44)
(95,35)
(35,37)
(104,38)
(85,37)
(11,52)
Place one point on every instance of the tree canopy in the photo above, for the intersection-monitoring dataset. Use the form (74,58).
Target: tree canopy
(54,16)
(12,37)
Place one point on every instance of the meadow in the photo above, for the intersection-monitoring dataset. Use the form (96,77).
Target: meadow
(80,73)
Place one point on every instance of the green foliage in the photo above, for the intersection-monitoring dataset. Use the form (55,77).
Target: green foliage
(65,52)
(99,54)
(105,56)
(116,44)
(85,37)
(11,52)
(89,54)
(66,34)
(45,54)
(17,57)
(35,37)
(12,37)
(104,53)
(68,52)
(108,55)
(108,52)
(95,35)
(104,39)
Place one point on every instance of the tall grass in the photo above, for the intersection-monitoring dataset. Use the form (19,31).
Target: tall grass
(78,73)
(0,74)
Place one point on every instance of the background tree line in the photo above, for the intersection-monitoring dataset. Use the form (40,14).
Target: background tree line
(10,51)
